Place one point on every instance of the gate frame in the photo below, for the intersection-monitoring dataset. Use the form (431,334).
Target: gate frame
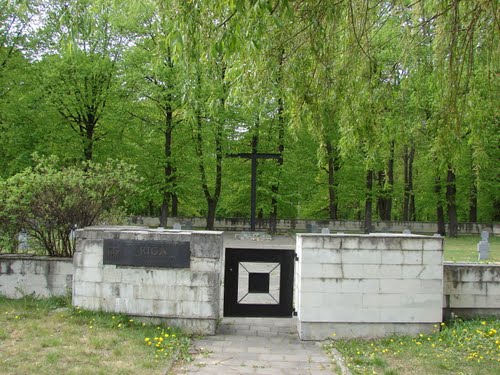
(286,258)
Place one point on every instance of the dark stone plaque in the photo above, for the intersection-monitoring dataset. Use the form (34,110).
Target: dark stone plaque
(147,253)
(258,282)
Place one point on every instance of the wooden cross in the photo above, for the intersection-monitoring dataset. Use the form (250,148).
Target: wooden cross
(254,156)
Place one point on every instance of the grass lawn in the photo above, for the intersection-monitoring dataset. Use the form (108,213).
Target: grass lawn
(50,337)
(461,347)
(464,249)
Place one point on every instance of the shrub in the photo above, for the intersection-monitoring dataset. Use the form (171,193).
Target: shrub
(48,201)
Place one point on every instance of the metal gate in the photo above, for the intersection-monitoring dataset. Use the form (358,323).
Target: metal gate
(258,282)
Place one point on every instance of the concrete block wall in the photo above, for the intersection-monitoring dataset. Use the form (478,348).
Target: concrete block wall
(186,297)
(22,275)
(368,285)
(471,290)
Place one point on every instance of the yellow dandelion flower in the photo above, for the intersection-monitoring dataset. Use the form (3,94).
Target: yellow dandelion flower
(483,323)
(147,339)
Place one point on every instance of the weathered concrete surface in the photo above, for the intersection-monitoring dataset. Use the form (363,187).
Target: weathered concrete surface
(257,346)
(22,275)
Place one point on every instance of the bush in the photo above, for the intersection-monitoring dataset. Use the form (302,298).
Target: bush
(48,202)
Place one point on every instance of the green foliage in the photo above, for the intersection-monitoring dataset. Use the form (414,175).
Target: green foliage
(48,201)
(47,335)
(466,347)
(174,86)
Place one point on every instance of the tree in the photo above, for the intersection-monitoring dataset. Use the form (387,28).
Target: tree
(48,201)
(81,49)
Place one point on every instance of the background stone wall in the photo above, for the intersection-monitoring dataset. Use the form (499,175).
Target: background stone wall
(368,285)
(284,225)
(185,297)
(22,275)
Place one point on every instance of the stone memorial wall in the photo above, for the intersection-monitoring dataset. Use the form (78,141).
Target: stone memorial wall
(368,285)
(471,290)
(169,275)
(22,275)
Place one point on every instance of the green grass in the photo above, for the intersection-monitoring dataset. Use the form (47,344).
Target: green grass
(464,249)
(459,347)
(48,336)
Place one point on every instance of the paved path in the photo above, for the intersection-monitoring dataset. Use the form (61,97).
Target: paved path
(257,346)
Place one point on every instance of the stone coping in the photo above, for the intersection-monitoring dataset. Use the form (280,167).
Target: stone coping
(35,257)
(471,264)
(141,230)
(369,235)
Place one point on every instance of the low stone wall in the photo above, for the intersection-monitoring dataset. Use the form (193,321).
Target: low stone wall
(471,290)
(284,225)
(22,275)
(185,297)
(368,285)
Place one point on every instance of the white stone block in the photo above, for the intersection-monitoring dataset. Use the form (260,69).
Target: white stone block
(433,244)
(412,244)
(86,289)
(413,271)
(389,243)
(92,260)
(385,271)
(165,308)
(392,257)
(433,257)
(93,247)
(321,270)
(110,274)
(204,265)
(402,286)
(327,285)
(314,256)
(431,286)
(368,243)
(381,300)
(333,243)
(89,274)
(312,242)
(350,243)
(361,257)
(355,271)
(413,257)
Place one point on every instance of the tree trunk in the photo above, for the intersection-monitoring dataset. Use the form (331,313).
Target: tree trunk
(273,215)
(332,181)
(211,209)
(408,195)
(368,202)
(211,199)
(169,175)
(451,196)
(87,133)
(473,202)
(390,181)
(439,208)
(381,198)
